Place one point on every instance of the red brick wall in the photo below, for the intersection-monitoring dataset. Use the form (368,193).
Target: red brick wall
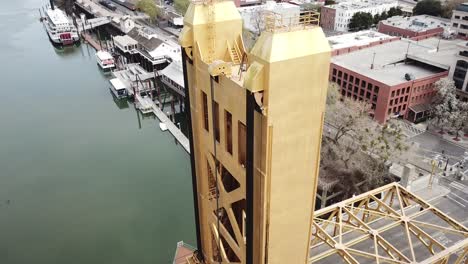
(396,31)
(385,100)
(327,18)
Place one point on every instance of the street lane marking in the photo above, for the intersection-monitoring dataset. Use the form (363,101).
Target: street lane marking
(450,198)
(459,197)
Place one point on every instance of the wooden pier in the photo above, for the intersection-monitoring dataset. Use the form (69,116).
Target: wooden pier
(89,39)
(175,131)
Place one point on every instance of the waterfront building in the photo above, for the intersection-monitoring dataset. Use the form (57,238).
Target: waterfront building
(416,27)
(126,24)
(397,78)
(154,53)
(173,77)
(460,20)
(142,45)
(253,163)
(338,16)
(126,47)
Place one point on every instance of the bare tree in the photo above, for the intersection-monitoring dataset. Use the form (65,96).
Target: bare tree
(356,149)
(257,20)
(447,110)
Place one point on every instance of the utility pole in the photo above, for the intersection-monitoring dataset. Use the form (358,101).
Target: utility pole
(431,179)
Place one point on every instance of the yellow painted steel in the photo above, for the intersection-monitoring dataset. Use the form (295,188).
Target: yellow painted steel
(287,70)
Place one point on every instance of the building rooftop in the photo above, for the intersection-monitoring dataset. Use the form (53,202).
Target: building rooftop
(462,7)
(174,72)
(104,55)
(417,23)
(125,40)
(425,59)
(57,16)
(360,38)
(146,38)
(363,4)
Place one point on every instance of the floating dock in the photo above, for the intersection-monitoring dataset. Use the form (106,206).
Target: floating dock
(175,131)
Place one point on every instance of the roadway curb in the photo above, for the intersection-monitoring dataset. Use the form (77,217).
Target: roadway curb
(441,137)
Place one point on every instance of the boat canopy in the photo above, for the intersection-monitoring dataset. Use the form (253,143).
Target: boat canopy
(117,84)
(104,55)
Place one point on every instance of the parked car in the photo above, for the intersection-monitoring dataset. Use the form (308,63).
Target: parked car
(108,4)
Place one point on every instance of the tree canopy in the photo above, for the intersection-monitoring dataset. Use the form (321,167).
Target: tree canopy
(360,21)
(448,111)
(149,7)
(181,6)
(428,7)
(394,11)
(448,7)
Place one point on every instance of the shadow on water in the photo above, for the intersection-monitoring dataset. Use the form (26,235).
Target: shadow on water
(120,103)
(64,51)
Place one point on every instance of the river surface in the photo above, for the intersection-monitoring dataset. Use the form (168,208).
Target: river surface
(82,179)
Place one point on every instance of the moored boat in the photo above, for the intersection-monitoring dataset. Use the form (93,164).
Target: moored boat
(118,88)
(105,60)
(59,29)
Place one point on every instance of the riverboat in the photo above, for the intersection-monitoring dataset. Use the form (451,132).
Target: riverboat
(59,29)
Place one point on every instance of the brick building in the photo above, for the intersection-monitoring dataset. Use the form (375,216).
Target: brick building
(337,17)
(416,27)
(394,82)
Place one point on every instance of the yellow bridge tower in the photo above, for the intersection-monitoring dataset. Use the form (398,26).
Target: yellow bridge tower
(256,122)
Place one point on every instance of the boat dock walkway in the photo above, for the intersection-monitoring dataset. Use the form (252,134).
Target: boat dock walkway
(175,131)
(88,24)
(89,39)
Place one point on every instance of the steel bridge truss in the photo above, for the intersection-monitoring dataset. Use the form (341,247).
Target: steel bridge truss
(387,225)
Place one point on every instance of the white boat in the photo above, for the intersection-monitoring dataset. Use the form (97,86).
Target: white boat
(105,60)
(163,126)
(145,104)
(118,88)
(60,30)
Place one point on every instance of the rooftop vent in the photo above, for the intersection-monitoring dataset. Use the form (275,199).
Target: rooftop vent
(409,76)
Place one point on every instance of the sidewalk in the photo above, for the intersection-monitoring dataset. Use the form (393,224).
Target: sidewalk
(420,187)
(462,143)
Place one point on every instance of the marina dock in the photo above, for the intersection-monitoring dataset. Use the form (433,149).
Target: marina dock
(91,41)
(175,131)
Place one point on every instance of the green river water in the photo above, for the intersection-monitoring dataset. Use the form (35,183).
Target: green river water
(80,181)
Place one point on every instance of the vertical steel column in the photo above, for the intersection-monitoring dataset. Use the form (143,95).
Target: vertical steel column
(249,174)
(192,153)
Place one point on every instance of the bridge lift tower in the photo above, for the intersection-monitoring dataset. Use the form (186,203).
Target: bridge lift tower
(255,137)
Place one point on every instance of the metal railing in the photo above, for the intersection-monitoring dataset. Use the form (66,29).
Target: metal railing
(275,22)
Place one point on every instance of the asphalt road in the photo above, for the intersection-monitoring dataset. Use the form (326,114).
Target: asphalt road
(431,144)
